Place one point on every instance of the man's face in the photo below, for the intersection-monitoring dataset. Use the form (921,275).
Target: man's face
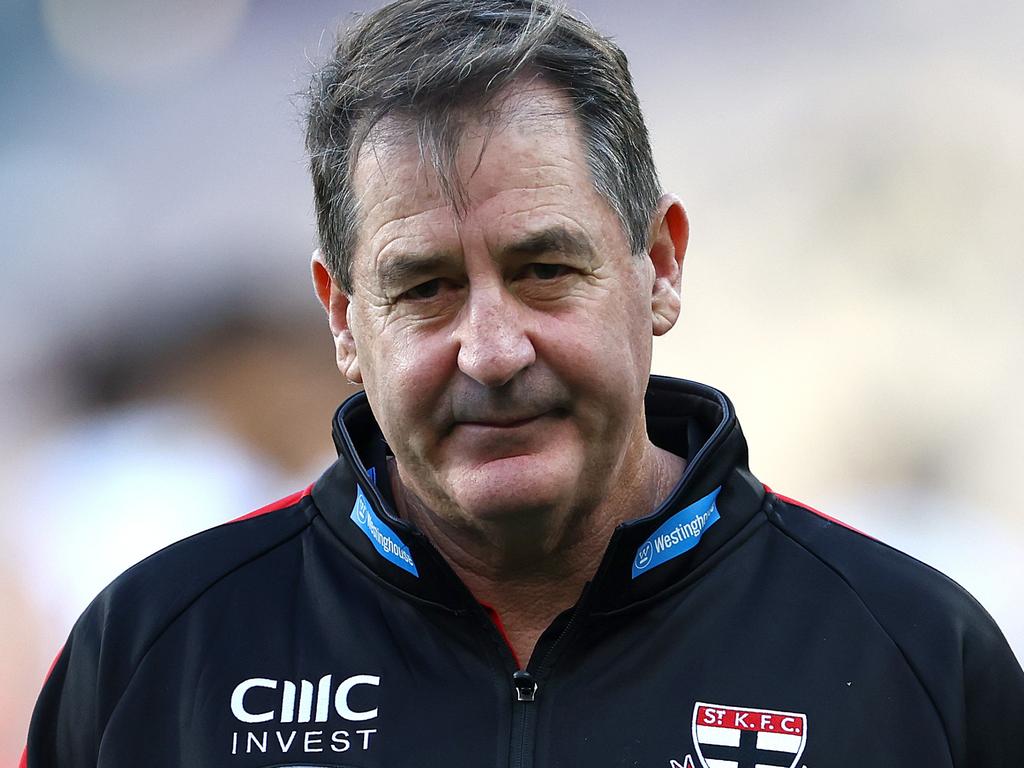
(504,351)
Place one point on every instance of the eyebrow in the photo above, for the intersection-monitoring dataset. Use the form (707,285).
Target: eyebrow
(407,268)
(555,239)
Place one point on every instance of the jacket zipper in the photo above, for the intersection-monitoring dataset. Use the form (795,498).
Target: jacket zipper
(526,688)
(524,712)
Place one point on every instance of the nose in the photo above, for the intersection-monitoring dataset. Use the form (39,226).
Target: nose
(493,343)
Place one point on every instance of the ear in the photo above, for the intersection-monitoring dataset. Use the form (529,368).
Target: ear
(670,233)
(336,303)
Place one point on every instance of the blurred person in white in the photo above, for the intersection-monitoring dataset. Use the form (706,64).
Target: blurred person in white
(164,434)
(192,420)
(530,551)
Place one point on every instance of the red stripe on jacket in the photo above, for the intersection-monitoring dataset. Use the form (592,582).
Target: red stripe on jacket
(817,512)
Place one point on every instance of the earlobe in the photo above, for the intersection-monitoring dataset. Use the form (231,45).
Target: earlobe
(671,232)
(336,304)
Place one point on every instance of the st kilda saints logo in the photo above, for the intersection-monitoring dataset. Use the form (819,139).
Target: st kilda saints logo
(734,737)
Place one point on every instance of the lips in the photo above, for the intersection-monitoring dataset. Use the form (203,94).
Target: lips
(502,422)
(491,438)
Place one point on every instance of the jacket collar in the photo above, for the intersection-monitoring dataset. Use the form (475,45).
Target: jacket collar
(690,419)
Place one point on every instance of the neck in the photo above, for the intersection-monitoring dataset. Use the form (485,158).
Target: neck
(528,573)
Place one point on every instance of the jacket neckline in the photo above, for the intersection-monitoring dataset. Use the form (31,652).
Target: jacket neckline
(685,417)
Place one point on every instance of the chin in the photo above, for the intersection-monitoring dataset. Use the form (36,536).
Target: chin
(517,486)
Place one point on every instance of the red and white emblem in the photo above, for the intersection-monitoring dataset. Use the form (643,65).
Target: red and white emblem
(735,737)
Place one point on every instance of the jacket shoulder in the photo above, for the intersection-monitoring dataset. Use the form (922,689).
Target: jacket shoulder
(950,642)
(882,577)
(113,635)
(150,594)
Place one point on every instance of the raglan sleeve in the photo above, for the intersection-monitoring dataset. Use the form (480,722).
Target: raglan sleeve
(993,698)
(71,711)
(951,644)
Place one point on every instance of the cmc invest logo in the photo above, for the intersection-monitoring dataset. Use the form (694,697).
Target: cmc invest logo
(262,700)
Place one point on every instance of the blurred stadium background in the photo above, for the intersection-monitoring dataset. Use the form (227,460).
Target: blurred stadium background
(854,174)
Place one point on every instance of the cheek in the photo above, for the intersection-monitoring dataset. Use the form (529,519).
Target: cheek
(636,331)
(615,333)
(601,357)
(604,357)
(405,379)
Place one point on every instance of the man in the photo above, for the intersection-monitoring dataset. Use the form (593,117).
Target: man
(528,552)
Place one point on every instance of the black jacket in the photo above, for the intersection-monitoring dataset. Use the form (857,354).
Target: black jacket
(730,628)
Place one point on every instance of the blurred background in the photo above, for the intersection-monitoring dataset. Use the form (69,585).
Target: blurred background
(854,174)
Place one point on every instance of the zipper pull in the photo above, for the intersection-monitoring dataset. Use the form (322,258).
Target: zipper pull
(525,685)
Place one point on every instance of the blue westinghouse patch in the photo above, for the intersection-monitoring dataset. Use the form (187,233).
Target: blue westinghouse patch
(679,534)
(383,539)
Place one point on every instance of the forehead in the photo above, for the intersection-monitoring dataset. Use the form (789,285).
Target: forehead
(519,162)
(528,111)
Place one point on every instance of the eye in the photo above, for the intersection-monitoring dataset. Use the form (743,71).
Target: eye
(543,271)
(427,290)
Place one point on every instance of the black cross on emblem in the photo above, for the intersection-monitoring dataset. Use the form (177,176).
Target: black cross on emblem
(747,755)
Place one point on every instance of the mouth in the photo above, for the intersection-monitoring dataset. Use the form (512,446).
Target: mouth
(502,422)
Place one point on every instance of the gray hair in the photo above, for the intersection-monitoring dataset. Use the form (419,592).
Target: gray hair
(439,62)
